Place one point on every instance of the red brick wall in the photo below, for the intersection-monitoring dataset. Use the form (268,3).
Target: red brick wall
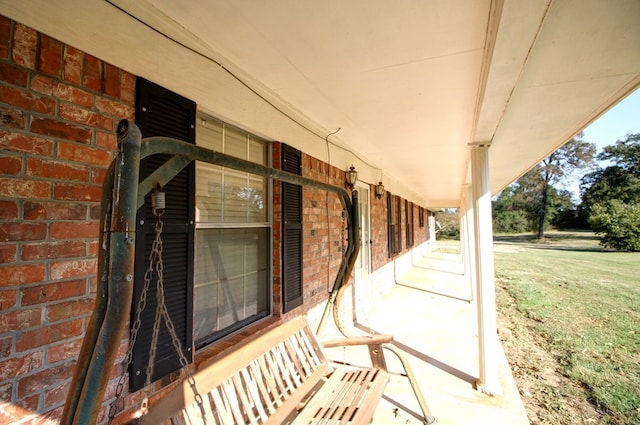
(59,108)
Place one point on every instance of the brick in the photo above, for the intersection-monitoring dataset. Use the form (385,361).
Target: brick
(114,107)
(20,231)
(64,310)
(19,320)
(49,334)
(92,73)
(6,345)
(10,74)
(18,275)
(50,60)
(85,154)
(25,42)
(5,37)
(10,165)
(75,192)
(94,212)
(49,250)
(74,230)
(27,100)
(12,118)
(72,268)
(49,292)
(98,175)
(111,80)
(53,211)
(51,376)
(10,368)
(50,87)
(72,68)
(127,87)
(56,395)
(94,249)
(8,299)
(8,254)
(84,116)
(106,140)
(23,143)
(14,188)
(57,170)
(64,351)
(61,129)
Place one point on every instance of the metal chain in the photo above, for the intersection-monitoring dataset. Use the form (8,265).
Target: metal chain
(155,259)
(163,313)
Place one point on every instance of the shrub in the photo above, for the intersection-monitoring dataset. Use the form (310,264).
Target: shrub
(619,223)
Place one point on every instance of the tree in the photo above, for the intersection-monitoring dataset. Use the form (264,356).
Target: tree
(532,201)
(611,195)
(573,155)
(620,180)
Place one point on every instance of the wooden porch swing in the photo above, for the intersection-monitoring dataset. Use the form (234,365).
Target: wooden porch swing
(276,377)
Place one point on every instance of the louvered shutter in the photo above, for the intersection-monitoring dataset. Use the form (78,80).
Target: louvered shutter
(291,231)
(391,226)
(160,112)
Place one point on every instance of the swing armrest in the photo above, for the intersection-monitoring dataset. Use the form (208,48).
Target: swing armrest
(358,340)
(373,343)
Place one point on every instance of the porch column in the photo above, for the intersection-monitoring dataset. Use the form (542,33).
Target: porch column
(488,344)
(467,238)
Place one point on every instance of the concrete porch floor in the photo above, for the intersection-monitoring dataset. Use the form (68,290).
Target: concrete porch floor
(430,313)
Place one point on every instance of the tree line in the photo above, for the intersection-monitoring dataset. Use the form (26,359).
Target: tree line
(609,195)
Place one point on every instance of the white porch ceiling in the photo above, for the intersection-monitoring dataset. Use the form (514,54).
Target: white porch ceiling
(410,83)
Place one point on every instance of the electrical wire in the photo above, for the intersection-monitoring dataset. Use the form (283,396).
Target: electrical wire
(243,83)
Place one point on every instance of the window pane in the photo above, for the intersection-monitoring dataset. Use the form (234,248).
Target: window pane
(231,280)
(210,133)
(236,194)
(208,193)
(235,143)
(257,152)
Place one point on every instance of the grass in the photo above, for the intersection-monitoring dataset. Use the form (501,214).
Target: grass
(585,303)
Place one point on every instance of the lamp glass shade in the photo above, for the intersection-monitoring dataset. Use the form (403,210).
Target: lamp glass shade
(352,176)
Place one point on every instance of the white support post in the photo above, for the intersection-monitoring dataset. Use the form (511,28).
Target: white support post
(488,343)
(467,239)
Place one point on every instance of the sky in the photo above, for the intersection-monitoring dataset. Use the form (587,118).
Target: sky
(612,126)
(623,118)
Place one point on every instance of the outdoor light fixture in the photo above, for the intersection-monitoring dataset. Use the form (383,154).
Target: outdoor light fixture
(352,177)
(379,190)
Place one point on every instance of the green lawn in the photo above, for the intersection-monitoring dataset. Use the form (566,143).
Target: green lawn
(585,303)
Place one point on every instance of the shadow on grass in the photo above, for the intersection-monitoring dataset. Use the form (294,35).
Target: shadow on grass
(575,240)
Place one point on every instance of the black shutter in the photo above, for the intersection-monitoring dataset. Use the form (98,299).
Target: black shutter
(391,227)
(160,112)
(398,225)
(291,232)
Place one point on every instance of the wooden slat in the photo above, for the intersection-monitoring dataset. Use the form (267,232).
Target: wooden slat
(229,394)
(223,410)
(294,399)
(270,381)
(251,381)
(245,405)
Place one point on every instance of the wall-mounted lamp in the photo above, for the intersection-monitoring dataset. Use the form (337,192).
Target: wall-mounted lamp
(352,177)
(379,190)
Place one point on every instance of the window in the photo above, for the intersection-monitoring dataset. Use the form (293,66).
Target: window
(408,214)
(394,220)
(233,234)
(216,235)
(421,217)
